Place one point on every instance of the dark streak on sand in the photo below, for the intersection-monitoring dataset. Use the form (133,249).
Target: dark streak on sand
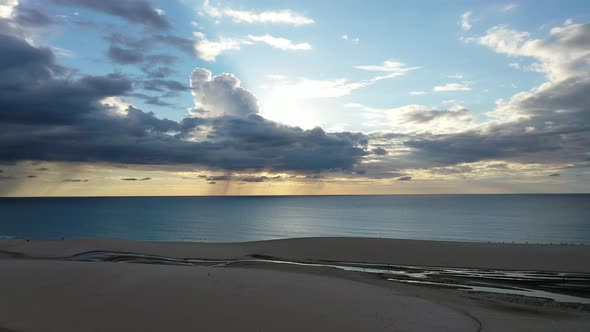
(571,289)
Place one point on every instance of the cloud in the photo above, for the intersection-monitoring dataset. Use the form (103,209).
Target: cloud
(7,7)
(29,90)
(286,90)
(254,179)
(162,85)
(134,11)
(509,7)
(515,65)
(418,115)
(547,125)
(415,119)
(285,16)
(466,21)
(74,180)
(31,17)
(306,88)
(280,43)
(379,151)
(209,50)
(417,93)
(451,87)
(354,40)
(405,178)
(555,174)
(16,19)
(452,170)
(125,50)
(221,95)
(219,178)
(393,67)
(458,76)
(47,116)
(564,54)
(124,56)
(135,179)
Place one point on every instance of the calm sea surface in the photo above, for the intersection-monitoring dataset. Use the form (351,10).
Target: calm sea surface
(496,218)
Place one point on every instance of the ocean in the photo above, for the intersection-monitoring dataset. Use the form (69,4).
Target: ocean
(473,218)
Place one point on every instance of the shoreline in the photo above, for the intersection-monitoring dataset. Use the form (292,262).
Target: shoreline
(44,288)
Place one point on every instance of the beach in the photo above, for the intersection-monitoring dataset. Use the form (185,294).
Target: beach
(45,288)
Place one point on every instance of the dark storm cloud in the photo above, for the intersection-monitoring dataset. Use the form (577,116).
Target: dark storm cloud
(31,176)
(405,178)
(46,116)
(6,177)
(134,11)
(555,174)
(280,147)
(42,169)
(32,92)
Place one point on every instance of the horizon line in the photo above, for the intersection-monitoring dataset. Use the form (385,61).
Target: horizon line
(295,195)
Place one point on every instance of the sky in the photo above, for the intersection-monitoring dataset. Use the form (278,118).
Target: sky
(193,97)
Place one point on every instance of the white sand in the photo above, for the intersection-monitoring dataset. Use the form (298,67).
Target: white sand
(50,295)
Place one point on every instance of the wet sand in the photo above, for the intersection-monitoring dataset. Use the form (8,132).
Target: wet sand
(41,292)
